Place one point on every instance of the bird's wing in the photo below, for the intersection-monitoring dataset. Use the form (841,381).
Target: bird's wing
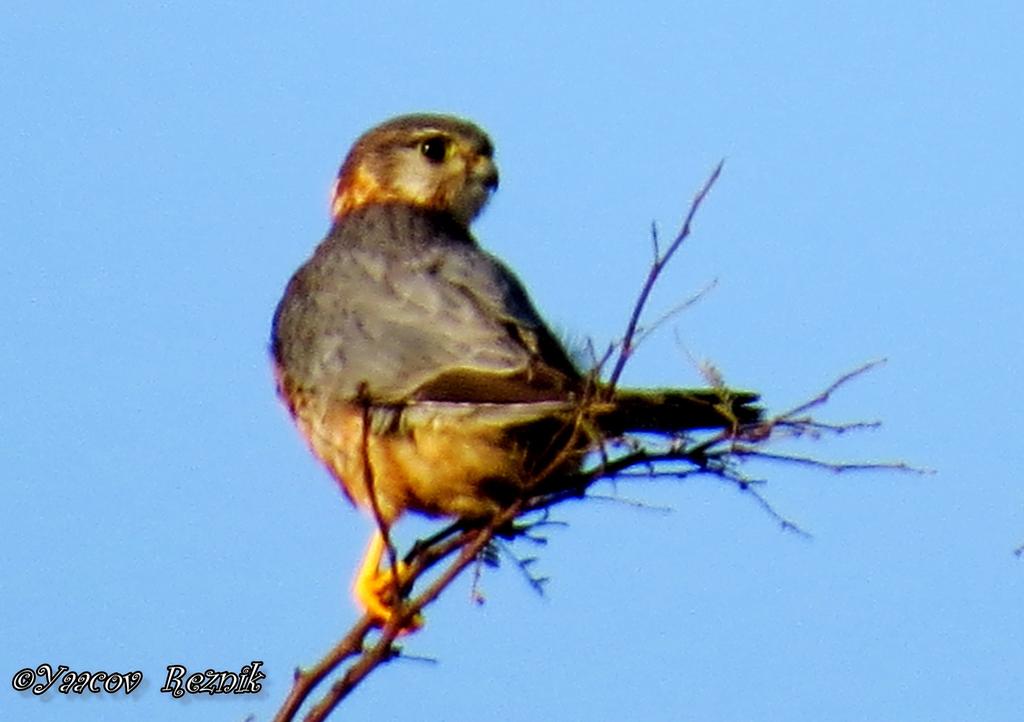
(440,322)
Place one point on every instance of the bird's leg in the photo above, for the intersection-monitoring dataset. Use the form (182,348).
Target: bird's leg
(375,590)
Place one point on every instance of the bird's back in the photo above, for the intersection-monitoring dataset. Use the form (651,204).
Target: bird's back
(397,305)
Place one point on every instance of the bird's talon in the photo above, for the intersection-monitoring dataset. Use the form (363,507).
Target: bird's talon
(375,590)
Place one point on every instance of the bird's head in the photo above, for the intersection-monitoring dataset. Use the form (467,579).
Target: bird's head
(436,162)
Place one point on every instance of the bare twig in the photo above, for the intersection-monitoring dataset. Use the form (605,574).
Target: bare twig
(832,388)
(468,544)
(642,332)
(305,680)
(657,266)
(632,503)
(837,467)
(523,564)
(371,492)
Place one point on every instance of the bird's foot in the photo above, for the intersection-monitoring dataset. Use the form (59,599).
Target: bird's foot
(377,591)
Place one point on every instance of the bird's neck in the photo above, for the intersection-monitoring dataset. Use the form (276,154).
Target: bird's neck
(391,225)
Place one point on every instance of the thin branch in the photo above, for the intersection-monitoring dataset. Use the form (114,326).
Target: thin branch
(657,266)
(306,680)
(832,388)
(523,564)
(371,491)
(469,544)
(785,523)
(807,426)
(643,332)
(834,466)
(632,503)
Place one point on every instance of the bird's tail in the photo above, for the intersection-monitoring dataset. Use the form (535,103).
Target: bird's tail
(656,411)
(675,410)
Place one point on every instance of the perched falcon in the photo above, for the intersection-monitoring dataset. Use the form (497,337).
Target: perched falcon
(414,363)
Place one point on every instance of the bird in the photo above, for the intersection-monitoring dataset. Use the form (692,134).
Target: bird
(415,364)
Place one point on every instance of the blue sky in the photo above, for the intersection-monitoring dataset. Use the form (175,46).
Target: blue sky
(165,169)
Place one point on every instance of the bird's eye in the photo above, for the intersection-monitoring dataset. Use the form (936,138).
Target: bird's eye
(434,149)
